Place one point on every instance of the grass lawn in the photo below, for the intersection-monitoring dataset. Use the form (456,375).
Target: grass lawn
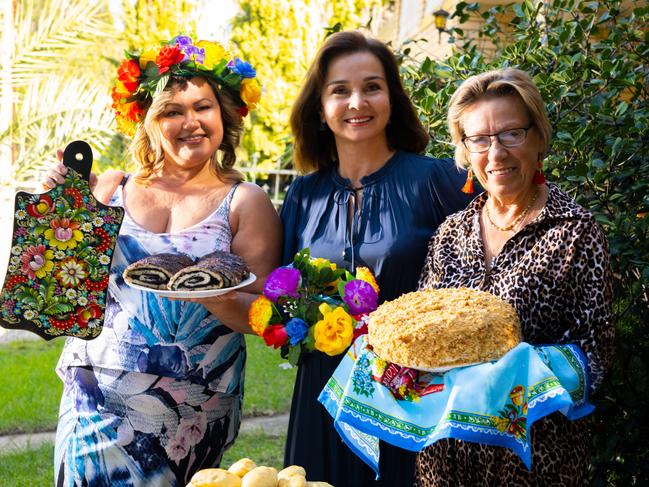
(33,468)
(28,468)
(32,389)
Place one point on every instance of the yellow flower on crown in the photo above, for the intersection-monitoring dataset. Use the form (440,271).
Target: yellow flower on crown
(147,57)
(250,92)
(334,332)
(214,53)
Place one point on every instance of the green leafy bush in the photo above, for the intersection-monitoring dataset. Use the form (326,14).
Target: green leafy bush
(590,61)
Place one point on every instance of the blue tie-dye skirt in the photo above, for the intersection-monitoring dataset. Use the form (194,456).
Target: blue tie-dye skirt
(121,428)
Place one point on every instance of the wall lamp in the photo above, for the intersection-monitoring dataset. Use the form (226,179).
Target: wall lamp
(440,17)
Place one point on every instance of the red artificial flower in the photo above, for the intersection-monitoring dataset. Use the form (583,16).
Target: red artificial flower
(167,57)
(275,335)
(243,111)
(128,73)
(133,111)
(361,330)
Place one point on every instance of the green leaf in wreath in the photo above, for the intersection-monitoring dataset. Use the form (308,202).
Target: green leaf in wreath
(161,85)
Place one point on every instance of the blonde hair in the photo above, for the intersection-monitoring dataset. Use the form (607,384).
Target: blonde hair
(496,84)
(146,146)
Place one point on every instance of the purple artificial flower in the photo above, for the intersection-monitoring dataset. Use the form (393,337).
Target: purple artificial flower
(182,41)
(296,329)
(360,296)
(190,51)
(283,281)
(242,68)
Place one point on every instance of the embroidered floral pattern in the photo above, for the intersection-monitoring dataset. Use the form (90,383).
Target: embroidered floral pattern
(512,419)
(62,249)
(362,378)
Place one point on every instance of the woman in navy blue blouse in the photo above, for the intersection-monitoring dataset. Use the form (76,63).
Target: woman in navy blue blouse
(370,200)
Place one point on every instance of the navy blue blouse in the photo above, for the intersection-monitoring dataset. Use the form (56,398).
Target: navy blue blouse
(401,206)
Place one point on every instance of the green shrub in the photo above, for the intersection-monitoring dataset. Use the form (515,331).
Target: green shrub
(590,62)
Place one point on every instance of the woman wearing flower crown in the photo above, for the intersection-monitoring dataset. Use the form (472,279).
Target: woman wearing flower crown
(157,396)
(371,200)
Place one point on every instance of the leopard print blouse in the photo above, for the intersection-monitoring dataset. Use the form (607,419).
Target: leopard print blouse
(555,272)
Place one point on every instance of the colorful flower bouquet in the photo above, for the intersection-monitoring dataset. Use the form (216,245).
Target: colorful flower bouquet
(311,305)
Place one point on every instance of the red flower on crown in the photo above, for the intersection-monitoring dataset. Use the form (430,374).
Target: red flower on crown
(128,73)
(167,57)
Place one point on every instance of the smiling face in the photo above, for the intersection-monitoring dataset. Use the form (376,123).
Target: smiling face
(191,125)
(505,173)
(355,99)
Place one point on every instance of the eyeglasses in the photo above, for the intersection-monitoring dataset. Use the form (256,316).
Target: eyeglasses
(508,138)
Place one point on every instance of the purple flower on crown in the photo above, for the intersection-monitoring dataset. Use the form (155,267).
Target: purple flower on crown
(190,51)
(242,68)
(283,281)
(296,329)
(182,41)
(360,296)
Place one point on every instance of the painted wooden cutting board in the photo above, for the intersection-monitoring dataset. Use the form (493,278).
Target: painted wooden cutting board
(62,247)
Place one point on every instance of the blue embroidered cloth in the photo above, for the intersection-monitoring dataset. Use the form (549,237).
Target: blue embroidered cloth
(492,403)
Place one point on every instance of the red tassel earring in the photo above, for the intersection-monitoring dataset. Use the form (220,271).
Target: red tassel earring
(538,178)
(468,186)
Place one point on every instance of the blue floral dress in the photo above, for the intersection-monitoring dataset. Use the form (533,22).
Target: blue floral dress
(157,396)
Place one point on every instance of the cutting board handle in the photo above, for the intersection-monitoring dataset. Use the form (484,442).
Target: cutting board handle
(78,156)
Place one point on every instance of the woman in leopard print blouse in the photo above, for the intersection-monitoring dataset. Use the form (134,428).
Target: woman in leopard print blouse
(531,244)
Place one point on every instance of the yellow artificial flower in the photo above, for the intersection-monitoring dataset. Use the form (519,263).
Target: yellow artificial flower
(364,274)
(259,314)
(321,263)
(214,53)
(334,332)
(250,92)
(147,57)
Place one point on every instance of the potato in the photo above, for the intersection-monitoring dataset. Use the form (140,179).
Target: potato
(260,477)
(292,481)
(290,471)
(242,467)
(318,484)
(214,477)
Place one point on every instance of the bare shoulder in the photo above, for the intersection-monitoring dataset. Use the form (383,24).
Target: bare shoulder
(107,183)
(249,195)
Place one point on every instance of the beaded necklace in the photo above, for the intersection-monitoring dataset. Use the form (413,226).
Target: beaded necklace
(516,221)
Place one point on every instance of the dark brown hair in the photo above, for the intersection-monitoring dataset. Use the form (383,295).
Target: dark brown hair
(315,149)
(147,148)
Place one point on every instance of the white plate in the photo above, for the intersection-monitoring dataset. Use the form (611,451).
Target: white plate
(206,293)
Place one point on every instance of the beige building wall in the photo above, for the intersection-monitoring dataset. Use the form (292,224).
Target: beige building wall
(413,24)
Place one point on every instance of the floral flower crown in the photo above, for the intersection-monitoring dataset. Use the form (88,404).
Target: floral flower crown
(144,75)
